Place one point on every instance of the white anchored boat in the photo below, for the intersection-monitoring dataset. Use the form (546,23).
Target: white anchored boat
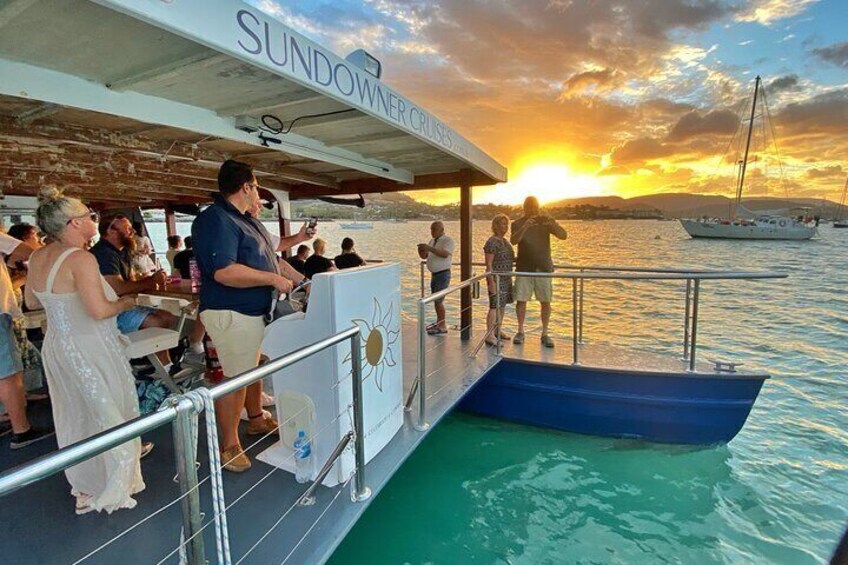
(753,226)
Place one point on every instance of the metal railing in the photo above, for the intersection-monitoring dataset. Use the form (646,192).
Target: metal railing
(179,411)
(693,280)
(614,269)
(420,383)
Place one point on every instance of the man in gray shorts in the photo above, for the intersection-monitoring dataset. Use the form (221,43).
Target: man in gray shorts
(532,233)
(439,255)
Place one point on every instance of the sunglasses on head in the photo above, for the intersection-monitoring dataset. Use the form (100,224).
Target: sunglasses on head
(95,217)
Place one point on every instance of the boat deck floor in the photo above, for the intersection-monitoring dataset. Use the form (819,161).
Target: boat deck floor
(38,523)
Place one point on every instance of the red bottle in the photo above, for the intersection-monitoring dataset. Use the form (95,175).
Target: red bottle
(214,373)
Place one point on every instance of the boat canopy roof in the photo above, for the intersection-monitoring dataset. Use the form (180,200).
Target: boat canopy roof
(139,102)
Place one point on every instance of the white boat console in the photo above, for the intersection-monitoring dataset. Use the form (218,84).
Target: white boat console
(315,394)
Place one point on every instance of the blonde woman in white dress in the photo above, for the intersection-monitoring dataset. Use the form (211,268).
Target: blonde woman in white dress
(91,384)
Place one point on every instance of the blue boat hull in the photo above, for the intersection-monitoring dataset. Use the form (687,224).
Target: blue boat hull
(663,407)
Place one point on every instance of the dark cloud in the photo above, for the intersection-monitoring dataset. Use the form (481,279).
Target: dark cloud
(788,82)
(594,82)
(836,54)
(553,39)
(637,151)
(826,172)
(823,114)
(665,108)
(694,124)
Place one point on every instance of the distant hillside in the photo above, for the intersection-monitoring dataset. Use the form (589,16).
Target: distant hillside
(671,205)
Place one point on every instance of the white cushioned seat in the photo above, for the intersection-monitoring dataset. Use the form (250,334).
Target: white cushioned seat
(35,319)
(150,340)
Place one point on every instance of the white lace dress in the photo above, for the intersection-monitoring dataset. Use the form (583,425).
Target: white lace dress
(92,389)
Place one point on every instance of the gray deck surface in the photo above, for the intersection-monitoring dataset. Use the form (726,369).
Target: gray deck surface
(38,524)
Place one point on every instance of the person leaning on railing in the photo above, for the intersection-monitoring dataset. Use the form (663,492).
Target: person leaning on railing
(499,259)
(91,384)
(239,272)
(438,252)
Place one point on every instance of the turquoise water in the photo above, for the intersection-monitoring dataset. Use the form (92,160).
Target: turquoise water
(482,491)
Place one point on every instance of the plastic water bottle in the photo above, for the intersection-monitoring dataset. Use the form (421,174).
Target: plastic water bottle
(302,462)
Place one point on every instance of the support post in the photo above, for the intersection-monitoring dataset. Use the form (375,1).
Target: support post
(686,319)
(361,491)
(422,369)
(695,295)
(187,476)
(170,222)
(498,314)
(574,325)
(283,215)
(582,297)
(421,265)
(465,258)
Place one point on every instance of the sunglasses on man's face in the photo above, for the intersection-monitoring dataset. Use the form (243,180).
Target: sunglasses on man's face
(95,217)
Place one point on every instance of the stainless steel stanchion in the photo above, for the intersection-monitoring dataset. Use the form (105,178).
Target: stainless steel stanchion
(187,476)
(361,491)
(422,424)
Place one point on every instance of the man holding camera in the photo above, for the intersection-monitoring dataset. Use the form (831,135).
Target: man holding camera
(532,233)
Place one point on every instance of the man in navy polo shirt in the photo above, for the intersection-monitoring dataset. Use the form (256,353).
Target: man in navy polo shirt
(239,273)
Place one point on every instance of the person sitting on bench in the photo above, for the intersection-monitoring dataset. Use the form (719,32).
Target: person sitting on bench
(114,260)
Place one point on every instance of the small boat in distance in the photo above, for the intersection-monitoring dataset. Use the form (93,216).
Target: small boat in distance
(356,225)
(840,220)
(771,226)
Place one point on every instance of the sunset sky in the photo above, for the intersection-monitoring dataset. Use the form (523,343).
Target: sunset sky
(613,97)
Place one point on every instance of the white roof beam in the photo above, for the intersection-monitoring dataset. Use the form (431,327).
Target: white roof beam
(169,70)
(364,139)
(10,9)
(268,105)
(337,119)
(34,83)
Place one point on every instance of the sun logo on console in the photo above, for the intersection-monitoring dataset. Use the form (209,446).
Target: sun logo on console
(378,338)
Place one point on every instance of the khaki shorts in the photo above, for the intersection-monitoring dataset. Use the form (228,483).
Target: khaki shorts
(526,286)
(236,337)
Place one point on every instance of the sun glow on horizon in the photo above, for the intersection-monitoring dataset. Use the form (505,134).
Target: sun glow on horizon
(548,182)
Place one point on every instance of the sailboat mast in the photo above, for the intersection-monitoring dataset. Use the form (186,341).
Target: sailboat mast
(747,147)
(841,209)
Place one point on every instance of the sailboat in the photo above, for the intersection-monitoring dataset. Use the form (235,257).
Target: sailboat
(764,226)
(356,225)
(840,221)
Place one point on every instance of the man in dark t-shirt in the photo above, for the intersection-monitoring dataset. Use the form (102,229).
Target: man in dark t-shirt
(298,262)
(182,260)
(349,258)
(317,263)
(532,233)
(112,252)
